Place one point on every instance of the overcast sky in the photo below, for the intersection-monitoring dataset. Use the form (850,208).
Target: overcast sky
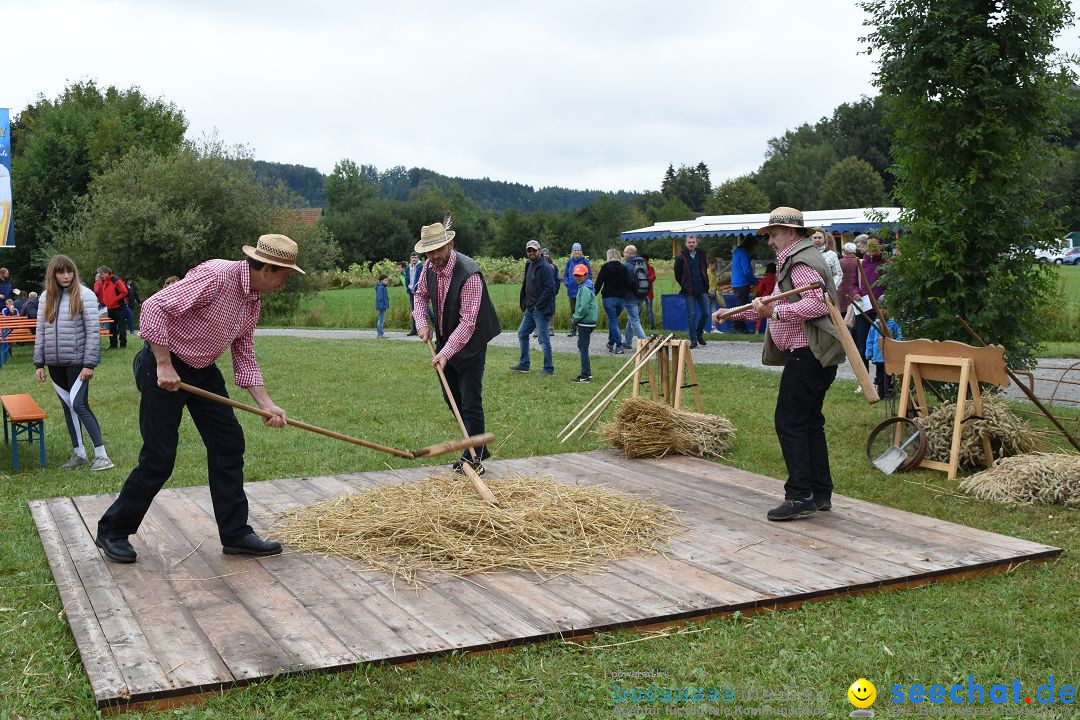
(579,94)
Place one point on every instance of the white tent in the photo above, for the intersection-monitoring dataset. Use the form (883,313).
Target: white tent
(854,220)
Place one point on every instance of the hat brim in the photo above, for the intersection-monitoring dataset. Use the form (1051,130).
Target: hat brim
(254,255)
(763,230)
(423,246)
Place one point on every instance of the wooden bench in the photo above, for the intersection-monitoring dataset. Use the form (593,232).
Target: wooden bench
(19,329)
(27,420)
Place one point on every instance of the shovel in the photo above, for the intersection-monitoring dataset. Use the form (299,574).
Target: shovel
(895,456)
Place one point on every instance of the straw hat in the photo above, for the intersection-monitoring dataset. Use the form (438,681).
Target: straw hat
(784,217)
(276,250)
(434,236)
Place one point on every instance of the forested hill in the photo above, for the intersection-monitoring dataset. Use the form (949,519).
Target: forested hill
(398,183)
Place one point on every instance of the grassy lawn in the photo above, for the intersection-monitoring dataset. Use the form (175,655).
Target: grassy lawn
(1019,624)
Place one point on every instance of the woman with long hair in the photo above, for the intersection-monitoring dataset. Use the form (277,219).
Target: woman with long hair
(68,343)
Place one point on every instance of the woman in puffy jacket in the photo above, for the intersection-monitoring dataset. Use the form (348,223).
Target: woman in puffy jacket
(68,343)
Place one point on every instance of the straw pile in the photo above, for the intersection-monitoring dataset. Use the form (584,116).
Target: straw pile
(439,524)
(645,428)
(1048,478)
(1009,435)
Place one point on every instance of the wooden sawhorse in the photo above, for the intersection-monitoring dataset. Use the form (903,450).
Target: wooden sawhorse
(947,361)
(667,373)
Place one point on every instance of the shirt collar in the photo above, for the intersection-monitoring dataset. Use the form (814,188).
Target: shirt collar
(245,277)
(783,255)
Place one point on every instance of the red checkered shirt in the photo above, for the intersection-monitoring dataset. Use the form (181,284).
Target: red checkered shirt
(471,292)
(206,313)
(787,332)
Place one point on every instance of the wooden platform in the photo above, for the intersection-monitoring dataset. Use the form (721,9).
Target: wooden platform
(187,619)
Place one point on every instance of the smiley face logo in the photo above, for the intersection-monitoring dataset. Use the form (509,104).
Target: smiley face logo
(862,693)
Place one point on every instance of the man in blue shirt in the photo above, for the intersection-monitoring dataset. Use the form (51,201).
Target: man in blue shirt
(742,278)
(691,272)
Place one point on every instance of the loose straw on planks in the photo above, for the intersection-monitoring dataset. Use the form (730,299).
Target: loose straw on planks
(439,449)
(618,373)
(599,409)
(474,477)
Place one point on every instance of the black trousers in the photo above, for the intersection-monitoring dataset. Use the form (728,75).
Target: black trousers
(800,425)
(466,380)
(118,327)
(160,412)
(742,297)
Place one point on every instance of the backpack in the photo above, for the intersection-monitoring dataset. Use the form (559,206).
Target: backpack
(639,280)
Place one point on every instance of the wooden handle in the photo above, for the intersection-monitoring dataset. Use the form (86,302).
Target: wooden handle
(294,423)
(474,477)
(858,364)
(770,299)
(454,445)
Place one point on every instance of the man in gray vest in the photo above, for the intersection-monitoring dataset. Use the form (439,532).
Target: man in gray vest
(465,321)
(800,337)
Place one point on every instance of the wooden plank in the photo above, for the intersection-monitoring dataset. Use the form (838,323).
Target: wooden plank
(989,360)
(183,650)
(830,536)
(303,636)
(106,679)
(136,658)
(869,514)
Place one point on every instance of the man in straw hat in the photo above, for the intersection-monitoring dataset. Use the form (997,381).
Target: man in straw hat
(801,337)
(464,322)
(187,326)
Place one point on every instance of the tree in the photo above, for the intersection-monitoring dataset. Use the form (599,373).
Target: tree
(859,129)
(794,166)
(59,145)
(152,216)
(673,209)
(737,196)
(972,92)
(689,185)
(851,183)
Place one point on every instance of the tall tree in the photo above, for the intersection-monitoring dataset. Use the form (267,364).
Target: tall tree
(59,145)
(859,129)
(690,185)
(851,183)
(794,166)
(972,91)
(737,196)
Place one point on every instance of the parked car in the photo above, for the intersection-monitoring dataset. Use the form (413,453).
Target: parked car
(1071,256)
(1054,255)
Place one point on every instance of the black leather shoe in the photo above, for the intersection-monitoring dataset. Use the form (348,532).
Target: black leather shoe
(118,550)
(252,544)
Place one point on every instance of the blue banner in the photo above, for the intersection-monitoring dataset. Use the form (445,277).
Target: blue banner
(7,228)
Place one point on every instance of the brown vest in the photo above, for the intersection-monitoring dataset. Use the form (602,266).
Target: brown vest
(820,332)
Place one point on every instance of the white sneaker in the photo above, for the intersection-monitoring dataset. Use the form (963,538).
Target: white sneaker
(74,461)
(858,389)
(101,463)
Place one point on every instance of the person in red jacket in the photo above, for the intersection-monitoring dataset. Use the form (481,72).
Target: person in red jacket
(111,291)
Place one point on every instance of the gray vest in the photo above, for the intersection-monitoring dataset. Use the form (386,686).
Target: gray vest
(820,332)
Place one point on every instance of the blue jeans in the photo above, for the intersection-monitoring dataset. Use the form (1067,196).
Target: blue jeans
(379,324)
(742,297)
(613,306)
(652,318)
(633,319)
(534,319)
(583,337)
(697,307)
(130,320)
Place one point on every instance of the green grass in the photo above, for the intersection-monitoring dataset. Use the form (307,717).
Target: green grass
(1020,624)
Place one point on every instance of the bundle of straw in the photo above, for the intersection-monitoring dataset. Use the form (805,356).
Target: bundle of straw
(1033,478)
(1009,435)
(437,524)
(648,429)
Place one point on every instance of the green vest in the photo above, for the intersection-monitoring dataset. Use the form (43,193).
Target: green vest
(820,332)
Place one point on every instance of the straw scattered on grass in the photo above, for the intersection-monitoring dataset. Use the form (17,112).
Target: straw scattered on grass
(644,428)
(1009,434)
(1048,478)
(439,525)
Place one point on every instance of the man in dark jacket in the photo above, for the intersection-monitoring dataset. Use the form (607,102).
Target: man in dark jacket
(111,291)
(692,274)
(537,301)
(452,292)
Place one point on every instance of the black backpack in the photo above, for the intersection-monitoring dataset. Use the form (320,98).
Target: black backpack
(639,280)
